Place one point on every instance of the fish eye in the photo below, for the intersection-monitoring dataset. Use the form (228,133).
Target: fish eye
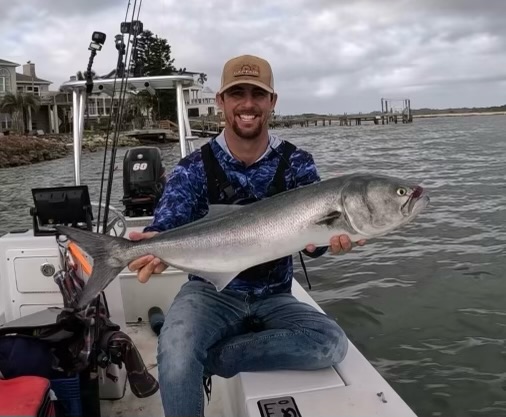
(401,191)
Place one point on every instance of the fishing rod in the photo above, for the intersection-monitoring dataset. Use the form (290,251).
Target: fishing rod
(133,28)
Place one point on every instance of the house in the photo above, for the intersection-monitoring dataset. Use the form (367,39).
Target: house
(7,85)
(201,101)
(48,118)
(54,114)
(28,82)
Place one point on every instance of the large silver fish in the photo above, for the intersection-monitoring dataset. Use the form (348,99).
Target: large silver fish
(231,239)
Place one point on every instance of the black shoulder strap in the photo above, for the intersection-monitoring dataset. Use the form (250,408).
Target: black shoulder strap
(217,181)
(278,182)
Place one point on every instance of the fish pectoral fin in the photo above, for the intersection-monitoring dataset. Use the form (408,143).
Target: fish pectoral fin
(329,219)
(219,279)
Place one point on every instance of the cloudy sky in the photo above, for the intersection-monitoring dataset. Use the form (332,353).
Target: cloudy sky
(328,56)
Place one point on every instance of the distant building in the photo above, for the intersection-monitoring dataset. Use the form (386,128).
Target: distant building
(7,85)
(201,101)
(55,112)
(48,118)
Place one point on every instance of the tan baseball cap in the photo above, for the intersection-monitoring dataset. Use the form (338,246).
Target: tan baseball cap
(247,69)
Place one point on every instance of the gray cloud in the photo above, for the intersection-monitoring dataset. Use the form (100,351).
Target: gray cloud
(65,8)
(328,56)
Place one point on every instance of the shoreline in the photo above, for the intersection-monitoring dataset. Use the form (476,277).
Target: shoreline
(19,150)
(460,114)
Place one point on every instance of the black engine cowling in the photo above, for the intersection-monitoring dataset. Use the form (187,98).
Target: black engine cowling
(143,180)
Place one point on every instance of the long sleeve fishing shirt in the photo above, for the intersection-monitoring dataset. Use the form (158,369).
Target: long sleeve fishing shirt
(185,199)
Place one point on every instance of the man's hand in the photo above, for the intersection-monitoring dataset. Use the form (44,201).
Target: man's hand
(145,265)
(338,244)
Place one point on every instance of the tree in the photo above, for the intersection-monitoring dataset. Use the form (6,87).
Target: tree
(153,55)
(18,106)
(138,107)
(202,78)
(153,58)
(81,75)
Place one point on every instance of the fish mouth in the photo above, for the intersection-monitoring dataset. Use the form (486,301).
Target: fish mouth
(417,195)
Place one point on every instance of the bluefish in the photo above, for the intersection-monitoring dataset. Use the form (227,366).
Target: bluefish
(232,238)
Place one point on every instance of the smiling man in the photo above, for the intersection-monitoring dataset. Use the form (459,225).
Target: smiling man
(255,323)
(247,98)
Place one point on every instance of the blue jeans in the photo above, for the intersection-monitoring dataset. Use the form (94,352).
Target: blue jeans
(207,333)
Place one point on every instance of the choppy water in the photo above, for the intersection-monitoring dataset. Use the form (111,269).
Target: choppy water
(426,305)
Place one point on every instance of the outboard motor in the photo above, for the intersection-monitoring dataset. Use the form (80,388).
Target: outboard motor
(143,180)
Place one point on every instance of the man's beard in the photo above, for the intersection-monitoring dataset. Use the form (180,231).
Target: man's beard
(246,134)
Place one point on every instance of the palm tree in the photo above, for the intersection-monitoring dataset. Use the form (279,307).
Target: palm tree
(81,75)
(138,107)
(18,106)
(202,78)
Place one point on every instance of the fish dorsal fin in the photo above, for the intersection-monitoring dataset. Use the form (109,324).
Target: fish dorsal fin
(218,210)
(329,219)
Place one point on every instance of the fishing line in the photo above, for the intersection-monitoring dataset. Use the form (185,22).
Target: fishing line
(123,64)
(118,121)
(120,48)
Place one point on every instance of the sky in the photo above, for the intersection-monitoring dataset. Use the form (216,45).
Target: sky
(328,56)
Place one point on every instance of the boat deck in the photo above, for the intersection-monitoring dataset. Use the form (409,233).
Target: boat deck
(131,406)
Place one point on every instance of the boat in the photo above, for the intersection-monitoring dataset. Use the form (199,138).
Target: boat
(30,258)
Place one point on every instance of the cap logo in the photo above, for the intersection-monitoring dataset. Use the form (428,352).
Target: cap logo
(248,70)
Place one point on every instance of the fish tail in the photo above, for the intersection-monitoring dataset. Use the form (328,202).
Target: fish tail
(108,254)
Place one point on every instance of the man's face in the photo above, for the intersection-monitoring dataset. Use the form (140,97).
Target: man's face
(247,109)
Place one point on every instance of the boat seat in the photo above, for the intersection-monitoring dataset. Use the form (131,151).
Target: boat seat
(278,383)
(281,383)
(353,388)
(254,386)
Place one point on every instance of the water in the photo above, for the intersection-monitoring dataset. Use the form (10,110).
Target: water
(424,305)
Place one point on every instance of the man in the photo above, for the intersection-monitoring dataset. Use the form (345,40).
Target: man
(255,323)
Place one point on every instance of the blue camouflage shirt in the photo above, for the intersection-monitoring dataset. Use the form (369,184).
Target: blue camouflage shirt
(185,199)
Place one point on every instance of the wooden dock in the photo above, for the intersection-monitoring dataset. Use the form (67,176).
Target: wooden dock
(167,131)
(206,125)
(393,111)
(339,120)
(154,135)
(210,125)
